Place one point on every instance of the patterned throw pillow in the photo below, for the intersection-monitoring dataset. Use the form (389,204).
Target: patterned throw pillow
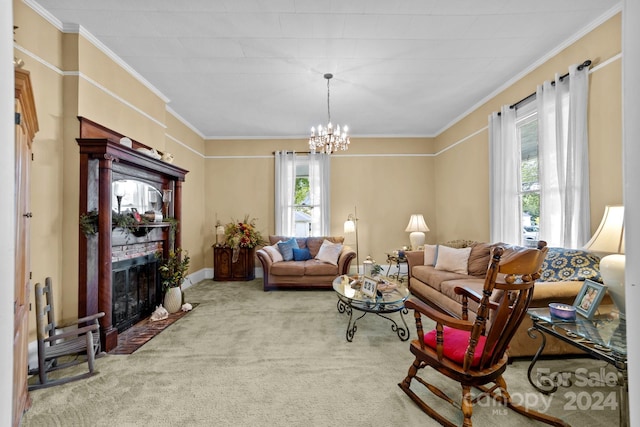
(563,264)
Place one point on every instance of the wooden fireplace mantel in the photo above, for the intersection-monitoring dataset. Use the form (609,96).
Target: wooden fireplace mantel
(103,160)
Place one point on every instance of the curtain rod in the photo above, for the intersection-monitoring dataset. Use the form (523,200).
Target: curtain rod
(586,63)
(293,152)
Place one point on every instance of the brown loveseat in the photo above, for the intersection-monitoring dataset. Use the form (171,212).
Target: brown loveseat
(307,274)
(562,276)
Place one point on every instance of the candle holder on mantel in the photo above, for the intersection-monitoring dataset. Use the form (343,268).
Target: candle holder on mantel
(119,192)
(166,199)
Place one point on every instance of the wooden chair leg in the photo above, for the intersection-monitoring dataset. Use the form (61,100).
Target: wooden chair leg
(467,405)
(413,370)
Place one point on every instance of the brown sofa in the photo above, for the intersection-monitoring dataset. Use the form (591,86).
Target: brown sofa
(560,281)
(309,274)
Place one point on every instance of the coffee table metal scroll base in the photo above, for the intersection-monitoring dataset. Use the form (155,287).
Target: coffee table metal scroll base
(348,307)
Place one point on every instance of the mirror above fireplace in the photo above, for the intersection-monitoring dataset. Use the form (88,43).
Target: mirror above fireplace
(129,194)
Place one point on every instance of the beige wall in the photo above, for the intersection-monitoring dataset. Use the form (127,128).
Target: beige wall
(187,148)
(462,188)
(445,178)
(385,179)
(71,78)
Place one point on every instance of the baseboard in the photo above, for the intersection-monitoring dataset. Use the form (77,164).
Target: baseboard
(207,274)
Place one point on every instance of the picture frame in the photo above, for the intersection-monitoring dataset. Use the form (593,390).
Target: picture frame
(589,297)
(369,287)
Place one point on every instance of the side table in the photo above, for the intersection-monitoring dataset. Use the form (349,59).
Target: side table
(604,338)
(398,261)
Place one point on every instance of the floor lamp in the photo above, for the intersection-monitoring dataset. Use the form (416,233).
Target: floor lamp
(351,226)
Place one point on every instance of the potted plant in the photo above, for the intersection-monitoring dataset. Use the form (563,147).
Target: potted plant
(376,270)
(173,271)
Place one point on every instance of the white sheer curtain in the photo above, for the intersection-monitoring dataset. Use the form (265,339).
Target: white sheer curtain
(284,192)
(504,177)
(319,173)
(564,160)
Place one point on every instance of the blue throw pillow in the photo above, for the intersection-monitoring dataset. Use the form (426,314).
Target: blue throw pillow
(286,248)
(301,254)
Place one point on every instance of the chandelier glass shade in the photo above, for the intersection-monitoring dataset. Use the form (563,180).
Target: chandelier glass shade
(328,139)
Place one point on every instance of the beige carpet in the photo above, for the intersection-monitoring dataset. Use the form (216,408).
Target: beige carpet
(250,358)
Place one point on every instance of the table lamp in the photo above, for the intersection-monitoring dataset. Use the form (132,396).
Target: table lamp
(417,227)
(608,240)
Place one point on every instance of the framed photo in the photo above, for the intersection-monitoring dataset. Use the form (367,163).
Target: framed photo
(589,298)
(369,287)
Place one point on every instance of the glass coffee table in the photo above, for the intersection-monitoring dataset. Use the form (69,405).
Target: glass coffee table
(389,298)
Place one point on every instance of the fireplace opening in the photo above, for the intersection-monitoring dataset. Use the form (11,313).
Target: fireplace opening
(136,290)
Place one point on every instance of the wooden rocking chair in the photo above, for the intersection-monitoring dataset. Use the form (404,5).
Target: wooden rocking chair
(60,348)
(474,353)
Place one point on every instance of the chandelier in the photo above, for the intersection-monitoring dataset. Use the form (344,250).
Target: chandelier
(327,139)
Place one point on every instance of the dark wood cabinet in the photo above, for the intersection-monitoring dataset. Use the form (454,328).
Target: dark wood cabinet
(224,269)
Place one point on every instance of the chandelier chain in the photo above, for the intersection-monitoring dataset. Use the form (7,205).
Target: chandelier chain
(328,100)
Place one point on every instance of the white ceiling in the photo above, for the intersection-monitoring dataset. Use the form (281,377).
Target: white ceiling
(254,68)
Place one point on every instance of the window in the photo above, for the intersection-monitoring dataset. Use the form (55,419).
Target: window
(539,170)
(302,206)
(302,194)
(527,138)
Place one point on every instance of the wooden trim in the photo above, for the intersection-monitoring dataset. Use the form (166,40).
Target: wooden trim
(24,95)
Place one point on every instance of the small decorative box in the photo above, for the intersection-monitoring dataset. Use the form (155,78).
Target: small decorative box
(562,311)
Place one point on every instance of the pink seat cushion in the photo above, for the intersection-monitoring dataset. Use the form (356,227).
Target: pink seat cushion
(455,344)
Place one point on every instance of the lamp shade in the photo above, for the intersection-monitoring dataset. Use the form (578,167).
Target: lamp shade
(609,237)
(416,223)
(349,226)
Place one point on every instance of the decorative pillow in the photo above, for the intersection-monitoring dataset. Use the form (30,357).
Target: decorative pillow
(479,259)
(455,344)
(562,264)
(286,248)
(454,260)
(301,254)
(430,254)
(274,253)
(329,252)
(314,243)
